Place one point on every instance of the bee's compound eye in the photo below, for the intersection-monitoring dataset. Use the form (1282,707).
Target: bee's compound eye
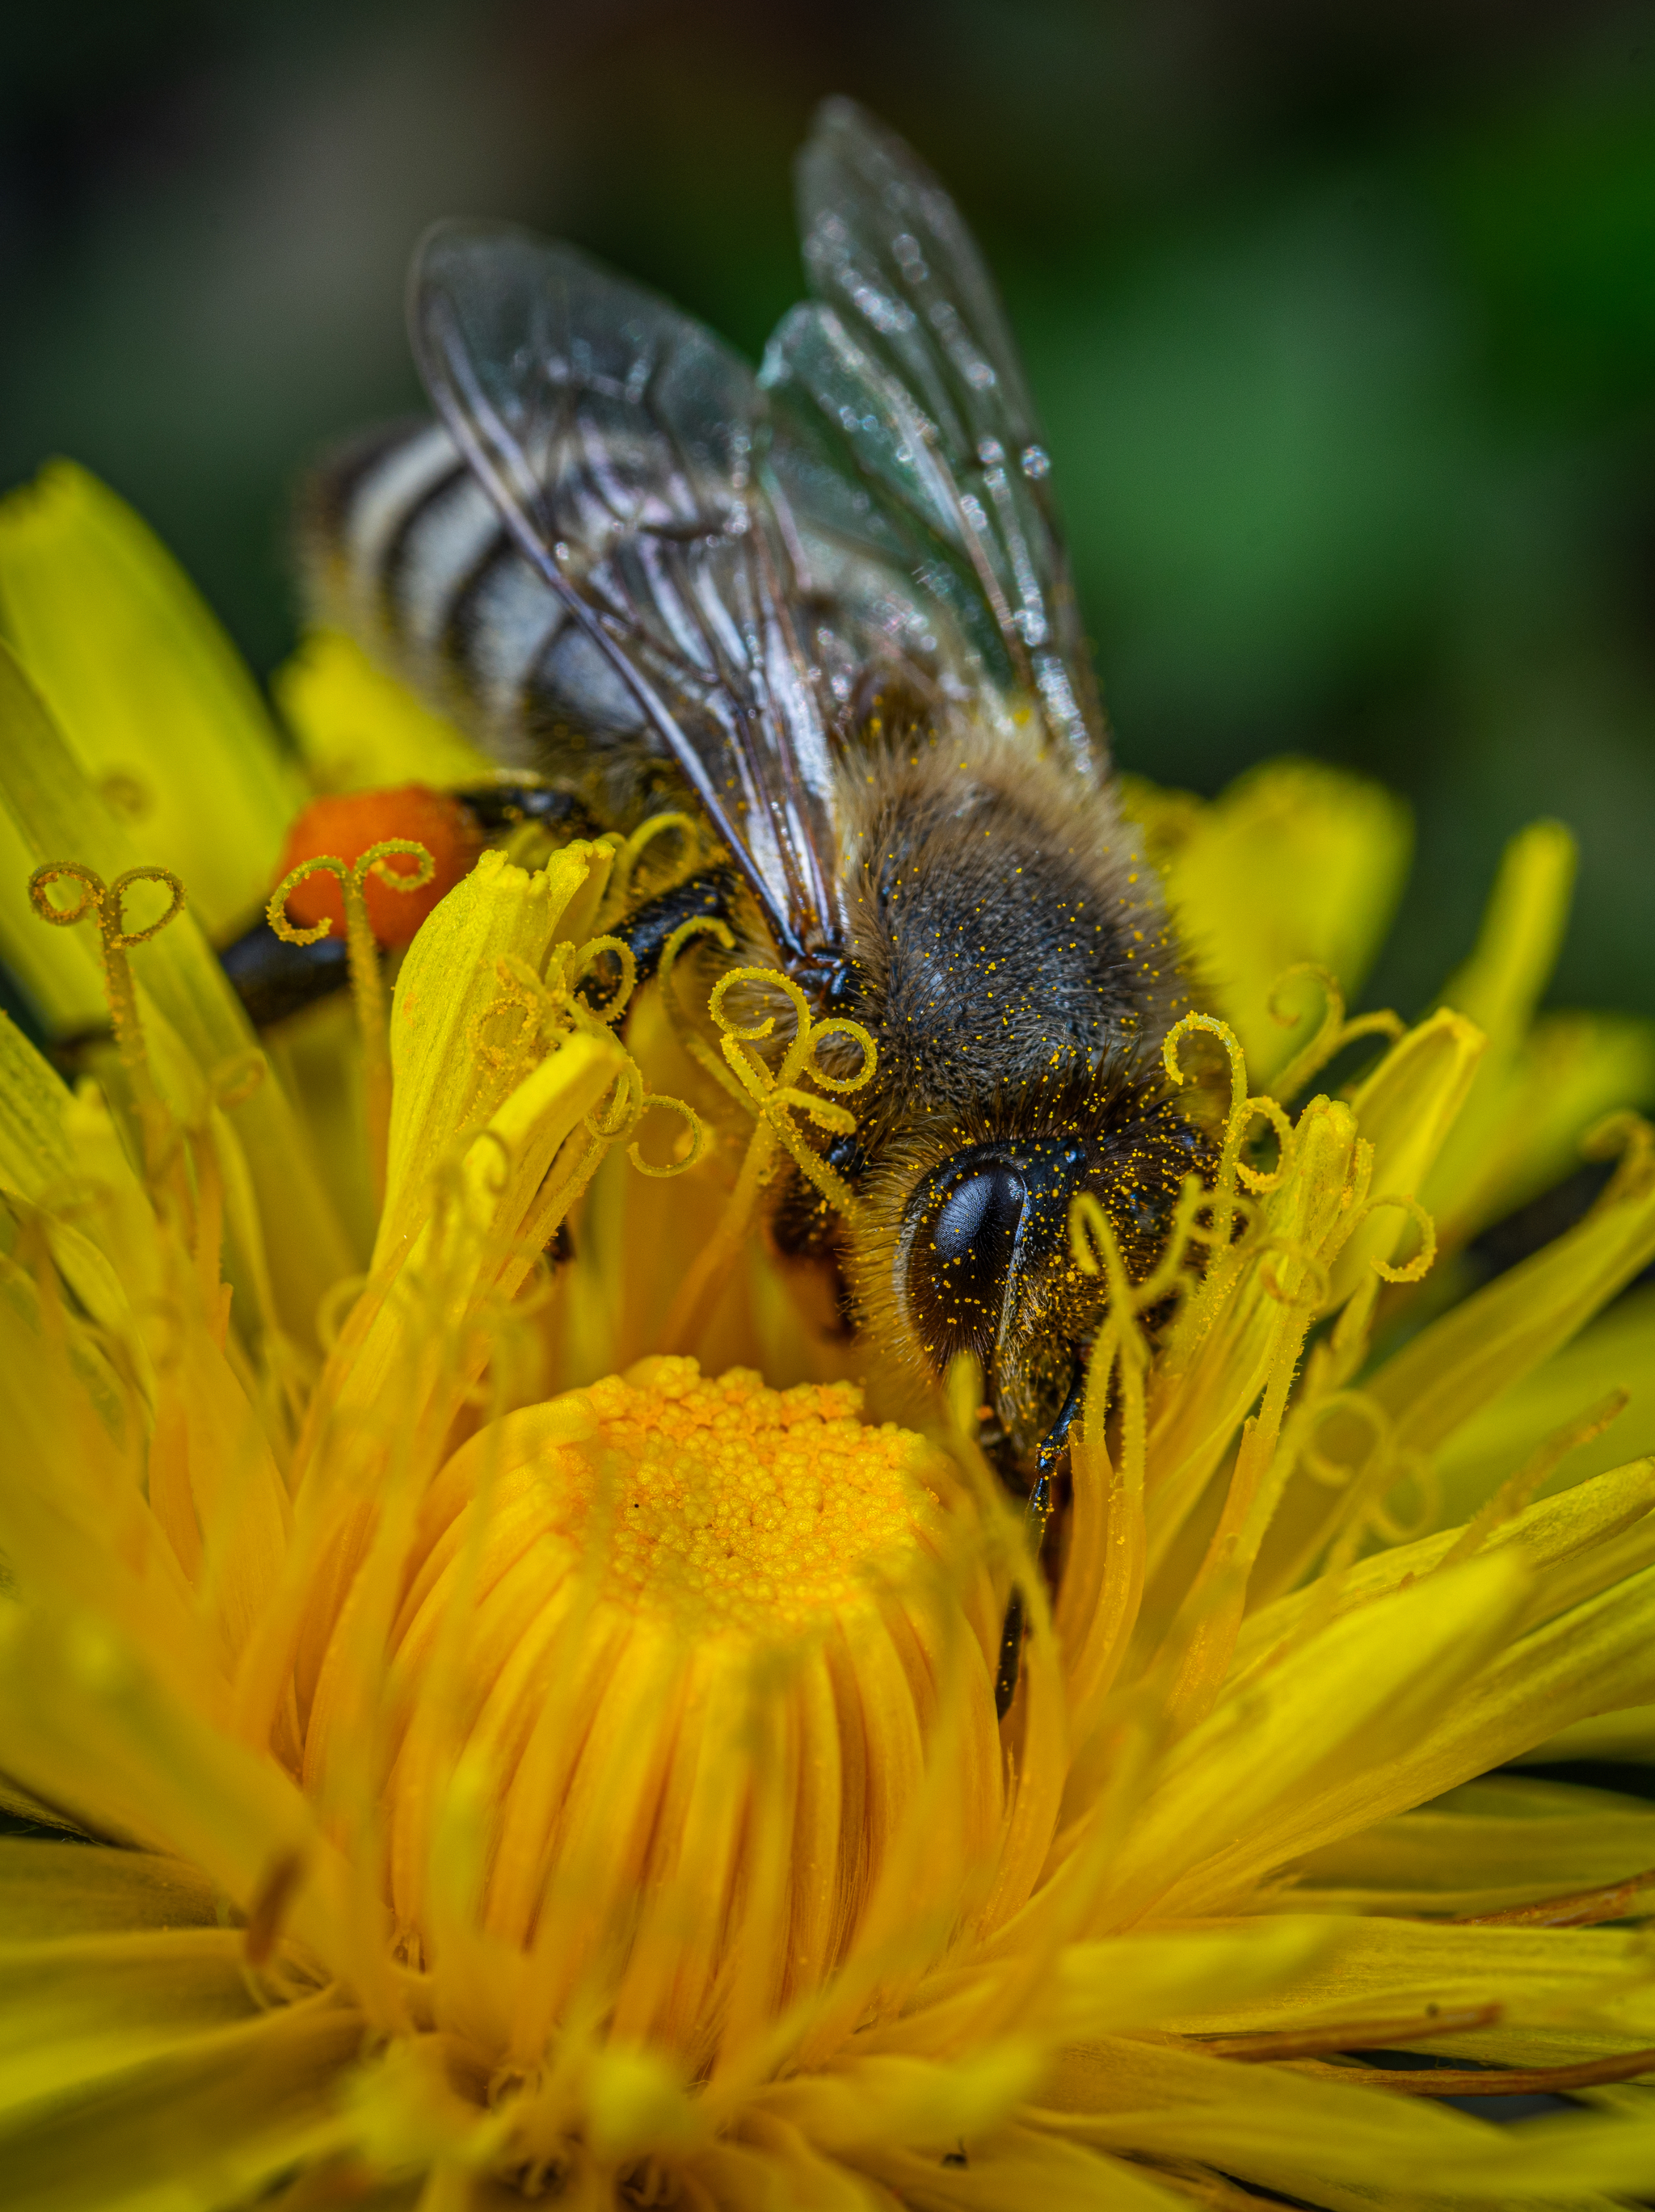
(961,1255)
(978,1216)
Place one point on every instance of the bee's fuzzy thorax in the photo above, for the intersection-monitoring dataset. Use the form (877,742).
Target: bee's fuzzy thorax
(1006,930)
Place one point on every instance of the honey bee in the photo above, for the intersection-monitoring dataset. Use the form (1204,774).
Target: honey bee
(829,606)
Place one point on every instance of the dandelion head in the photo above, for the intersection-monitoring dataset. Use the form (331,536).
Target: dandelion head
(502,1696)
(694,1648)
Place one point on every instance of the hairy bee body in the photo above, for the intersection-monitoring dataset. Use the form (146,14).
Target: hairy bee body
(830,608)
(1007,946)
(1012,960)
(401,545)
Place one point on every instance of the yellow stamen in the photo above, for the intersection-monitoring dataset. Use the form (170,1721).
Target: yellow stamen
(618,890)
(1333,1032)
(106,902)
(1243,1109)
(1416,1269)
(773,1097)
(366,983)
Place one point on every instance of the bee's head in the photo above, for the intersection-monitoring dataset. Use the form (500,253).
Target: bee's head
(985,1262)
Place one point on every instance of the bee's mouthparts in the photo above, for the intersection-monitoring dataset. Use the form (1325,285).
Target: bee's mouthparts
(1045,1498)
(1051,1458)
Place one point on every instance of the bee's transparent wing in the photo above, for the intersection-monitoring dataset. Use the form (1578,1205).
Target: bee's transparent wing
(902,377)
(617,437)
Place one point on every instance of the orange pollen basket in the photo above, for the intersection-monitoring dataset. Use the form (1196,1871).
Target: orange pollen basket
(347,825)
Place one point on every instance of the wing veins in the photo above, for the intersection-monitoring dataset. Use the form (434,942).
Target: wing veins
(889,253)
(633,497)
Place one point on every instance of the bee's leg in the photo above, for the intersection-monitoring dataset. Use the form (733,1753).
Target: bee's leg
(649,929)
(273,978)
(803,1225)
(1043,1500)
(1051,1461)
(808,1239)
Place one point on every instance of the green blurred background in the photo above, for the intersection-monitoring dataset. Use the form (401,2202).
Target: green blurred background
(1342,319)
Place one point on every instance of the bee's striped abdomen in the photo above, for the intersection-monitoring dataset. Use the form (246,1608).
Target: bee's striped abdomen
(404,548)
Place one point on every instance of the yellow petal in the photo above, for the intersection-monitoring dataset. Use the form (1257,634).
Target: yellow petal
(118,1217)
(1264,2124)
(1465,1361)
(1565,1993)
(1500,985)
(49,1890)
(1593,1655)
(1336,2146)
(1570,1070)
(1599,1655)
(1495,1843)
(159,712)
(477,1235)
(87,2006)
(34,1149)
(89,1726)
(636,2101)
(1627,1734)
(100,1292)
(774,2164)
(1218,1358)
(358,729)
(1252,1784)
(1017,2167)
(498,911)
(1407,1110)
(900,2099)
(57,968)
(60,817)
(1617,1351)
(72,1518)
(316,1056)
(1542,1083)
(226,1481)
(218,2121)
(1553,2159)
(1549,1533)
(404,2114)
(1295,862)
(60,985)
(1143,1980)
(1566,1983)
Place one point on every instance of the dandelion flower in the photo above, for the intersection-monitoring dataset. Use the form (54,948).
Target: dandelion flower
(466,1746)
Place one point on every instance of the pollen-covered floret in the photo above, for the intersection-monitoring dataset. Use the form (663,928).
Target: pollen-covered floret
(730,1504)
